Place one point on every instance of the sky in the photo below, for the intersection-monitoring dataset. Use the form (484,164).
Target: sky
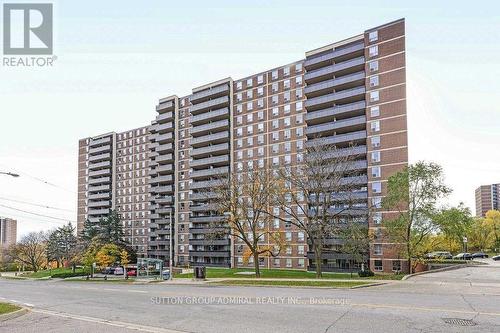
(115,59)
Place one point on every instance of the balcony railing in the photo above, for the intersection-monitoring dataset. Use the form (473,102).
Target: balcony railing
(314,60)
(212,115)
(213,103)
(216,160)
(222,147)
(210,92)
(210,138)
(317,116)
(335,125)
(221,124)
(210,172)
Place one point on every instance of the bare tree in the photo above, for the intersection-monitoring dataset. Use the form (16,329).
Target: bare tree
(243,199)
(31,250)
(321,191)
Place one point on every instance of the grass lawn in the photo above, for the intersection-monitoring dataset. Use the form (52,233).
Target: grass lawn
(49,273)
(6,308)
(282,274)
(323,283)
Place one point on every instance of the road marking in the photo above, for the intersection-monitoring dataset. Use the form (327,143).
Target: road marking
(137,291)
(115,323)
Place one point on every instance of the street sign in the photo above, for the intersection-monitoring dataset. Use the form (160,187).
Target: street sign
(465,239)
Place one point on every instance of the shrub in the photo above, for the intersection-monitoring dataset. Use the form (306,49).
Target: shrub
(68,274)
(365,273)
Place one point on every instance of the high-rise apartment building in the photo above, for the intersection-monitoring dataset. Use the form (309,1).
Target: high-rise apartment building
(8,231)
(349,93)
(113,175)
(487,198)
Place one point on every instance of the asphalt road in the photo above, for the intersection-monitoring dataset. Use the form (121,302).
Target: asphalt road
(420,304)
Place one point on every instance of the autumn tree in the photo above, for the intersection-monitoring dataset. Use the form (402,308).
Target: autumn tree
(413,194)
(320,192)
(108,254)
(243,200)
(492,224)
(31,250)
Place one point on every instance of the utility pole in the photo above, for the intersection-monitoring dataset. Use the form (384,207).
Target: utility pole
(171,250)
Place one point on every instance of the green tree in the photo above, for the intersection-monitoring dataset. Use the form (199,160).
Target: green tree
(479,235)
(108,254)
(413,194)
(455,223)
(356,241)
(492,223)
(61,244)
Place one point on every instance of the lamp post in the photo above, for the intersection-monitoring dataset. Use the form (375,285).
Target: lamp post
(170,259)
(15,175)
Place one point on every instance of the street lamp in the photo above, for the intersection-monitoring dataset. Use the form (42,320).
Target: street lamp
(9,174)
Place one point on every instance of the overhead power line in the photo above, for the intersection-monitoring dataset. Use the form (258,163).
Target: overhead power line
(36,214)
(18,216)
(37,205)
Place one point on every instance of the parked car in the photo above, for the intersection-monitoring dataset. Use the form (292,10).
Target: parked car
(463,256)
(439,255)
(166,274)
(496,258)
(108,270)
(479,255)
(118,271)
(132,272)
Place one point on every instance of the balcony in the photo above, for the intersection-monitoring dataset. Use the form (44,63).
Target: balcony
(102,203)
(317,61)
(215,161)
(162,159)
(210,104)
(162,117)
(210,138)
(98,181)
(346,81)
(99,188)
(330,128)
(164,128)
(220,254)
(100,157)
(165,148)
(342,96)
(340,110)
(210,150)
(103,172)
(202,208)
(168,105)
(99,150)
(162,199)
(204,184)
(98,196)
(161,179)
(355,137)
(100,165)
(101,141)
(206,219)
(203,196)
(204,129)
(209,172)
(210,93)
(350,151)
(164,138)
(104,211)
(210,116)
(208,242)
(162,189)
(340,68)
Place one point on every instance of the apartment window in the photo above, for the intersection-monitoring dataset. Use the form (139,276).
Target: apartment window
(239,132)
(373,66)
(249,82)
(275,112)
(260,79)
(239,108)
(375,111)
(288,159)
(250,141)
(377,249)
(261,163)
(375,126)
(373,36)
(300,250)
(298,106)
(239,143)
(288,236)
(240,166)
(298,119)
(260,115)
(276,161)
(276,262)
(289,263)
(298,80)
(286,71)
(375,140)
(298,68)
(249,106)
(377,202)
(287,108)
(373,51)
(250,153)
(376,172)
(374,96)
(239,120)
(260,151)
(299,131)
(374,81)
(300,263)
(275,136)
(275,75)
(275,99)
(286,96)
(260,127)
(260,91)
(286,84)
(377,187)
(275,87)
(287,134)
(276,149)
(396,265)
(250,117)
(299,144)
(377,218)
(298,93)
(287,121)
(249,93)
(375,156)
(260,139)
(276,123)
(239,155)
(239,97)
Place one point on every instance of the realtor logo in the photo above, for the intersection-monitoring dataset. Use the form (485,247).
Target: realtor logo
(27,28)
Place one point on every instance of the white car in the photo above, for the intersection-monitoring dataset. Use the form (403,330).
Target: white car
(118,271)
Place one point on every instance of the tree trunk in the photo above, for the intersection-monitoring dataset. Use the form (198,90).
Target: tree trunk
(317,261)
(256,264)
(408,251)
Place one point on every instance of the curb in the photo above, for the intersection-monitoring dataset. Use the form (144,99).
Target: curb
(15,314)
(449,268)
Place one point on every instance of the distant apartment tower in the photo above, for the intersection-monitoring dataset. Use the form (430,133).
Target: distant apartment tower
(351,92)
(487,198)
(113,175)
(8,231)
